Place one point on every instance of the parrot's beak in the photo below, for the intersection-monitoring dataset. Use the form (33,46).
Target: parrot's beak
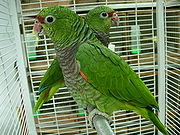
(38,29)
(115,18)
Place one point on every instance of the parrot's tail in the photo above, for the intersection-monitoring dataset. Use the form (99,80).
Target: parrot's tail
(151,116)
(155,120)
(38,105)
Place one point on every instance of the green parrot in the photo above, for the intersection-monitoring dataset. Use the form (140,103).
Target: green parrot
(94,74)
(53,78)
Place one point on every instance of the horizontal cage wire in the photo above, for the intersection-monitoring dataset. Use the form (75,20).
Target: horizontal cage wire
(172,32)
(135,40)
(13,116)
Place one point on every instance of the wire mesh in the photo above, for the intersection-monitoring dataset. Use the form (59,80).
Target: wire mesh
(13,116)
(135,41)
(172,42)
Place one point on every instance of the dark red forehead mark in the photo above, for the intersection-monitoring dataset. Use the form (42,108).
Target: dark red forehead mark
(110,14)
(40,19)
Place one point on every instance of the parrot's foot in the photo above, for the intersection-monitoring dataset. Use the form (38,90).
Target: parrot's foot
(95,112)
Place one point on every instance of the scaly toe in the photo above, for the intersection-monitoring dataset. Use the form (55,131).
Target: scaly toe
(95,112)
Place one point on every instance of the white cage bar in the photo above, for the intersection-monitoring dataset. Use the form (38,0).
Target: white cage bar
(161,59)
(172,72)
(15,107)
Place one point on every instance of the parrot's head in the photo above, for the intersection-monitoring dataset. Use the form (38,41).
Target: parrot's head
(57,22)
(63,25)
(101,18)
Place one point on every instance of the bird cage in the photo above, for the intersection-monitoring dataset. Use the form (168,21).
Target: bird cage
(147,38)
(16,116)
(171,65)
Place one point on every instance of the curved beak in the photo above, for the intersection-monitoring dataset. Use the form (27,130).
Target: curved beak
(37,28)
(115,18)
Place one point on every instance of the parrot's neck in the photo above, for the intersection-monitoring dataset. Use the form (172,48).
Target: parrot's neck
(102,36)
(67,61)
(66,55)
(80,33)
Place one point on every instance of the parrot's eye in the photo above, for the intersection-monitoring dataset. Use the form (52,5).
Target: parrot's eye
(50,19)
(104,15)
(36,22)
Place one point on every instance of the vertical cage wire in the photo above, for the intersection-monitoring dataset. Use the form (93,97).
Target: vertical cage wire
(161,59)
(172,48)
(62,115)
(14,96)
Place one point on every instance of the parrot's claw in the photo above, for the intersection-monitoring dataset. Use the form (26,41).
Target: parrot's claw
(95,112)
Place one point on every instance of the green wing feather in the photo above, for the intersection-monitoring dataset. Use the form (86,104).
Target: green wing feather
(47,94)
(50,84)
(53,74)
(112,76)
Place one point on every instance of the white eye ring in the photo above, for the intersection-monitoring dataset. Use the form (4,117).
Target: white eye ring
(104,15)
(50,19)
